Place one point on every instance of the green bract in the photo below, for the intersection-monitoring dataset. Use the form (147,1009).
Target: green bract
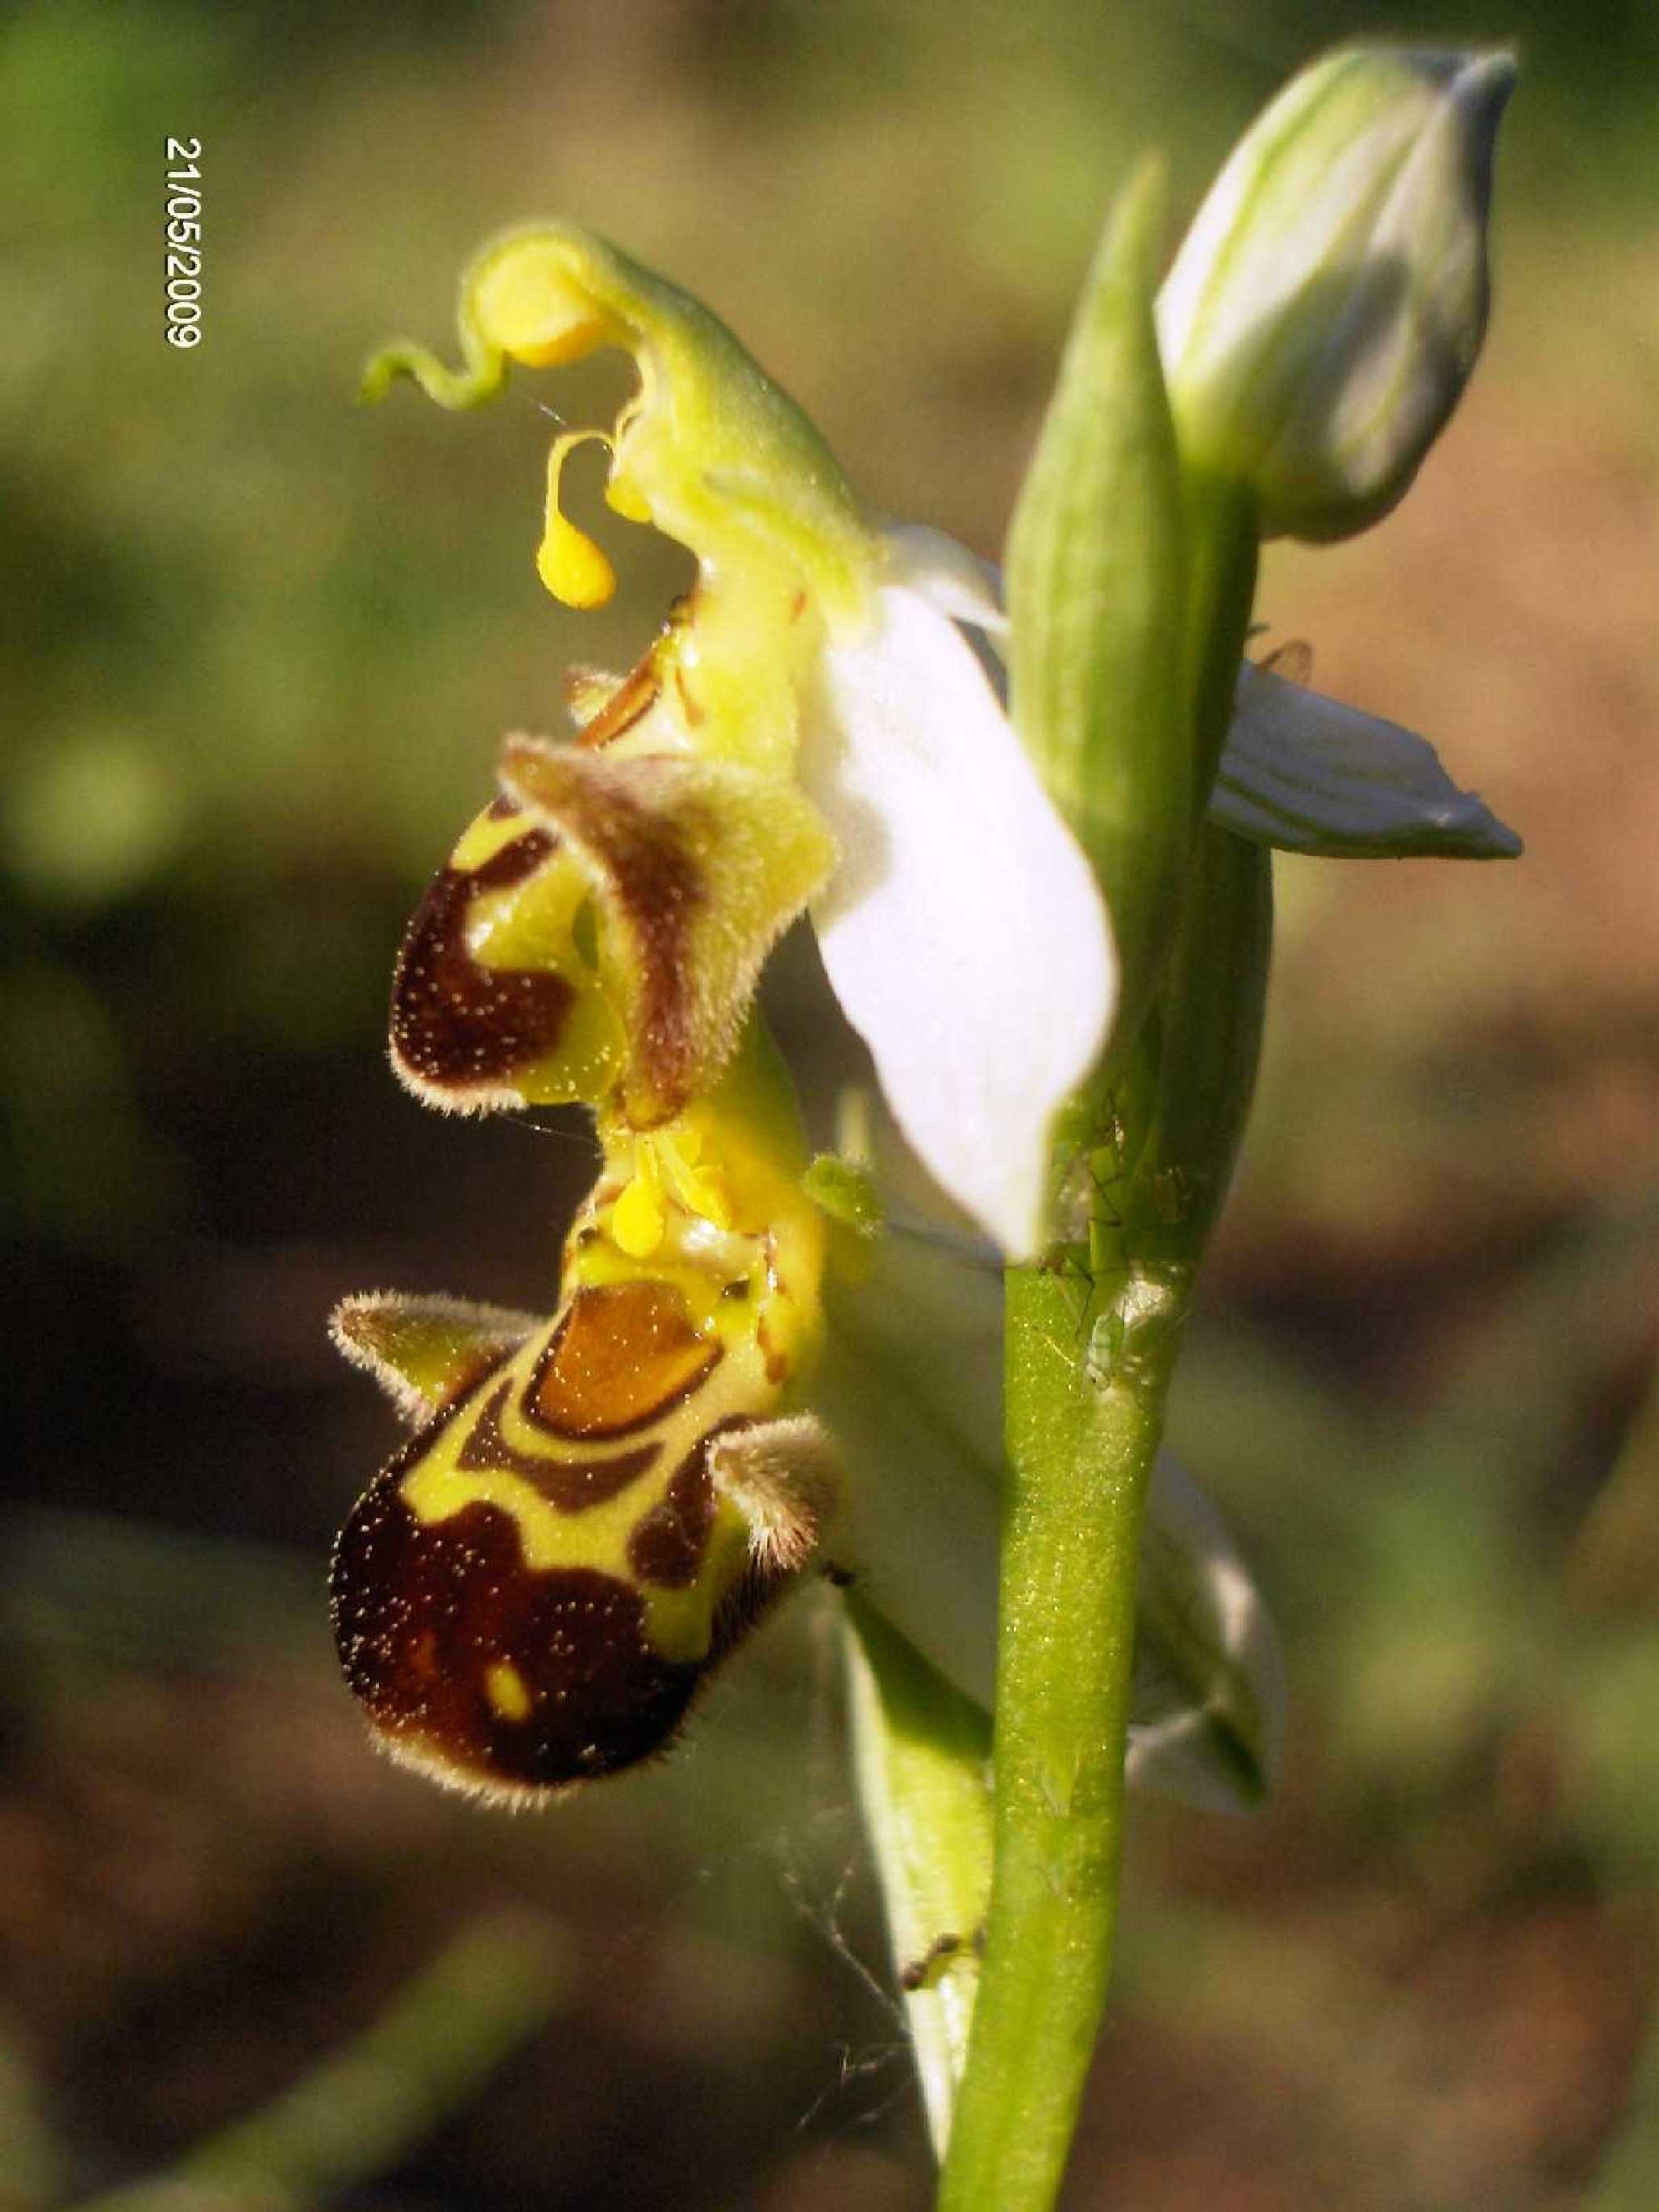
(1097,595)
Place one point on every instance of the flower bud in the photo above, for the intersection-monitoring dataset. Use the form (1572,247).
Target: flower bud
(1328,305)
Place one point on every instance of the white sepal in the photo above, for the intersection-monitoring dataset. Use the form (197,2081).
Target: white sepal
(962,931)
(1309,774)
(1209,1687)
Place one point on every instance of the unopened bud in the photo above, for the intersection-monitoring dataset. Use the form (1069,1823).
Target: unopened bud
(1328,305)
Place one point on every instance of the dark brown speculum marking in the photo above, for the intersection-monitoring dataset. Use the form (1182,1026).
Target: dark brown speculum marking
(423,1611)
(456,1024)
(623,1354)
(572,1486)
(668,1543)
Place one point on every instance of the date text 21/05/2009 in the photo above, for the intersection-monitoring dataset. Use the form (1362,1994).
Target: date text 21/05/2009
(184,243)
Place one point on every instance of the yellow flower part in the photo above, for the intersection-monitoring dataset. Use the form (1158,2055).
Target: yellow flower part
(708,450)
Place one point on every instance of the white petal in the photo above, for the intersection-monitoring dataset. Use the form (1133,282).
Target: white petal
(1311,776)
(962,931)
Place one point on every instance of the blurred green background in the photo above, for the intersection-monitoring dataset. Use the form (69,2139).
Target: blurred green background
(262,645)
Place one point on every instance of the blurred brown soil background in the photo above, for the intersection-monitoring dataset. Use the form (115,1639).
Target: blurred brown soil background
(263,646)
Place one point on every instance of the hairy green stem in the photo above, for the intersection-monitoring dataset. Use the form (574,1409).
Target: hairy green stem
(1086,1377)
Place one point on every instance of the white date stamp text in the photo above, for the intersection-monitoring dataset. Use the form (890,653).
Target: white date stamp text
(184,243)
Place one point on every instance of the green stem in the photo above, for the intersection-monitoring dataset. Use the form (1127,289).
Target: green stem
(1222,552)
(1086,1385)
(1091,1351)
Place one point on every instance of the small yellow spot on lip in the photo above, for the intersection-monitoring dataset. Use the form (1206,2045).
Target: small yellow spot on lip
(504,1686)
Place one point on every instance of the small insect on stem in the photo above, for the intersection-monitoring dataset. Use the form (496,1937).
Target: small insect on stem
(923,1973)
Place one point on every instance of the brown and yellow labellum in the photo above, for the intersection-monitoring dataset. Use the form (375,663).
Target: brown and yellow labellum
(485,1672)
(495,1001)
(530,1595)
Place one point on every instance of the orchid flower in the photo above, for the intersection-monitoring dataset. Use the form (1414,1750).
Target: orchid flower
(811,728)
(822,724)
(814,727)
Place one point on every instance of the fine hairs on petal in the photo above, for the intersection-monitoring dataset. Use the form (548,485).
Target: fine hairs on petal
(785,1478)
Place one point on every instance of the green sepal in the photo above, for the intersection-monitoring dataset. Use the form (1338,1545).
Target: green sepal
(1097,597)
(425,1352)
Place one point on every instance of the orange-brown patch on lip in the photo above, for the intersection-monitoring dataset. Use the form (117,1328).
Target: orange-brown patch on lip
(425,1613)
(458,1025)
(623,1355)
(572,1486)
